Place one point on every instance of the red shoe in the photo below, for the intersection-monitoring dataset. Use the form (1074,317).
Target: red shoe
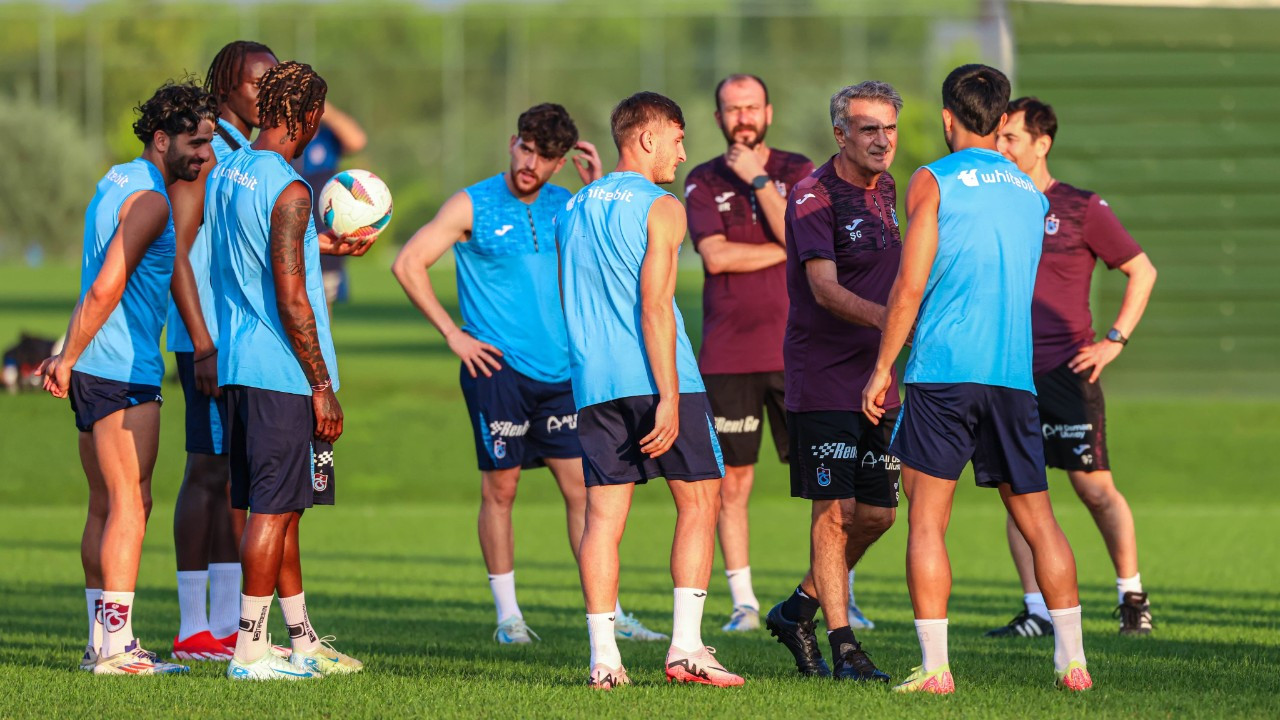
(201,646)
(230,641)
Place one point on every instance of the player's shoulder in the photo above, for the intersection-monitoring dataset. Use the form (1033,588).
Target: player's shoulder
(814,181)
(1067,190)
(555,194)
(483,189)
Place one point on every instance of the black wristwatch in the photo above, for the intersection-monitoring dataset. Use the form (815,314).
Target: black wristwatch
(1116,336)
(759,181)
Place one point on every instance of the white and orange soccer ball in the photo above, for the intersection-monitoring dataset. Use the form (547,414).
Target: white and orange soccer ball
(356,204)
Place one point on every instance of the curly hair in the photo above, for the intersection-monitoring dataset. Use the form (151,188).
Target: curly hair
(176,108)
(228,67)
(550,128)
(287,93)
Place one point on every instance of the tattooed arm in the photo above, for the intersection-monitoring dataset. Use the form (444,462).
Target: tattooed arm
(289,220)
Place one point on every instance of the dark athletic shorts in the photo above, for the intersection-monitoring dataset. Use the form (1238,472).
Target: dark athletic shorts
(1073,420)
(739,403)
(518,421)
(945,425)
(611,431)
(277,466)
(93,398)
(839,454)
(206,416)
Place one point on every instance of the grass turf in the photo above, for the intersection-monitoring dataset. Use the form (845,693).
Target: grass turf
(395,572)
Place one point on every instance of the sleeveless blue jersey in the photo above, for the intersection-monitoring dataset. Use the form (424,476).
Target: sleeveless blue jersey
(254,349)
(127,348)
(177,337)
(603,234)
(507,281)
(975,319)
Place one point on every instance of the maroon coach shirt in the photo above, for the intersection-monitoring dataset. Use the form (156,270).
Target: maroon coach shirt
(1079,229)
(744,315)
(829,360)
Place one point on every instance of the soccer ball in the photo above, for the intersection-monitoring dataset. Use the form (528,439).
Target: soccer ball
(356,204)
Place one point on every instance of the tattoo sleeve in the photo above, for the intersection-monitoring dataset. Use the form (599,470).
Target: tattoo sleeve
(288,267)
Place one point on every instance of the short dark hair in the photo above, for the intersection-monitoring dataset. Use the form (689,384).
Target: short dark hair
(287,93)
(977,95)
(739,77)
(639,110)
(228,66)
(176,108)
(550,128)
(1038,117)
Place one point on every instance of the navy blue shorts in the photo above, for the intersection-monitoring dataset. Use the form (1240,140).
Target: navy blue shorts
(840,455)
(206,415)
(277,466)
(611,431)
(93,398)
(519,422)
(945,425)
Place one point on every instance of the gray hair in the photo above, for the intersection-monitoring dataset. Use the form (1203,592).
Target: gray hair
(867,90)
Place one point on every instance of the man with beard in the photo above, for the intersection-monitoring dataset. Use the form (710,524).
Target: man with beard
(843,248)
(735,206)
(111,364)
(643,410)
(515,357)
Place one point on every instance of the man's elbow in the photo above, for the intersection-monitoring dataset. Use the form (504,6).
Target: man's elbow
(401,267)
(714,264)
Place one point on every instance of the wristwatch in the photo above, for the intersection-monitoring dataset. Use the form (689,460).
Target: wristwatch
(759,181)
(1116,336)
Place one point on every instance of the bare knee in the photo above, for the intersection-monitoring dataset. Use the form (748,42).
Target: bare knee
(870,521)
(1098,496)
(735,491)
(498,489)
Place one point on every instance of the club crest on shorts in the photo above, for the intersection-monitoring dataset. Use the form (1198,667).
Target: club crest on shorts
(1051,224)
(824,475)
(499,448)
(319,482)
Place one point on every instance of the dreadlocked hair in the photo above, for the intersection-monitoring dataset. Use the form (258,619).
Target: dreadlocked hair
(287,93)
(228,67)
(175,108)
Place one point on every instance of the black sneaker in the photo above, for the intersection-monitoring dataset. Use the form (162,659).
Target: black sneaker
(855,664)
(1023,625)
(801,640)
(1134,614)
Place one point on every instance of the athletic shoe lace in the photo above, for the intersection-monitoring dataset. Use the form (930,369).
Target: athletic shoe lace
(1132,616)
(515,626)
(859,659)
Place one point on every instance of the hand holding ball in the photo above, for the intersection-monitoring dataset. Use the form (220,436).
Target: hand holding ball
(356,205)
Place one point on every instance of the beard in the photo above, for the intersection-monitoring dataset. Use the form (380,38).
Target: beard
(182,167)
(759,131)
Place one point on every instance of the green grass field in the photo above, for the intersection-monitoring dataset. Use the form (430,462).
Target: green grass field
(395,572)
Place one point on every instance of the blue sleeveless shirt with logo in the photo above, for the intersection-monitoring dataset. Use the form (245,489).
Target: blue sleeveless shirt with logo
(127,347)
(254,349)
(603,235)
(975,318)
(507,280)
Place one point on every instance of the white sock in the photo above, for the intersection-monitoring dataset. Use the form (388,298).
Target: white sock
(686,633)
(617,608)
(1035,604)
(1128,585)
(740,588)
(93,603)
(851,600)
(1068,640)
(117,621)
(504,595)
(301,634)
(604,646)
(193,614)
(251,643)
(224,599)
(932,635)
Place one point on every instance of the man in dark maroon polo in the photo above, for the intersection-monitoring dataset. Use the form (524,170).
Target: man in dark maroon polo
(736,202)
(1079,230)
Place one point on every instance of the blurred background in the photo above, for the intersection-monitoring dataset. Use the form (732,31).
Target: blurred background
(1167,109)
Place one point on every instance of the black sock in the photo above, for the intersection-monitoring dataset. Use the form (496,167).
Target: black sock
(841,636)
(799,607)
